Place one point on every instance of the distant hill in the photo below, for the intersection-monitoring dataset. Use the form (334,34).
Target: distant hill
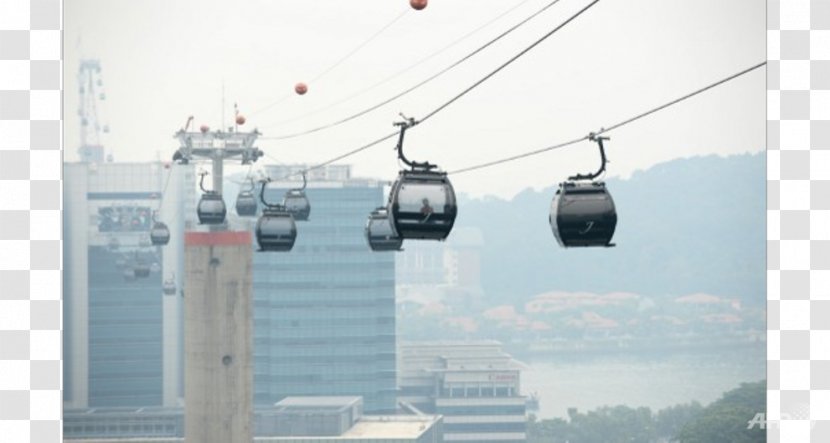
(685,226)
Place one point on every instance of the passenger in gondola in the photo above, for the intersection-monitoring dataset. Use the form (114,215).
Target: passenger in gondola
(426,209)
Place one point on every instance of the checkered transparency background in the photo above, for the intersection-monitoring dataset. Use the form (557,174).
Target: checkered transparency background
(798,174)
(798,140)
(30,221)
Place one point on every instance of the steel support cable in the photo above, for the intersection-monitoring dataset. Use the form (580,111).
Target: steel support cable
(417,85)
(456,97)
(360,46)
(339,61)
(166,183)
(508,62)
(404,70)
(612,127)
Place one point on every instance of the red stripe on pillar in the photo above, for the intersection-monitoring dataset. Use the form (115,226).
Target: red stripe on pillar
(217,238)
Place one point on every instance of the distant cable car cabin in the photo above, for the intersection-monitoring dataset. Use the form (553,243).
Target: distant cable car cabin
(169,287)
(422,202)
(159,233)
(211,209)
(296,202)
(380,234)
(141,270)
(582,213)
(275,229)
(246,205)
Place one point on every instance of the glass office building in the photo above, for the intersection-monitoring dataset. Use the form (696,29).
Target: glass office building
(324,313)
(122,340)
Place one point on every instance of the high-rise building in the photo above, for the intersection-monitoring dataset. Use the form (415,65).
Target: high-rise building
(122,334)
(473,384)
(324,313)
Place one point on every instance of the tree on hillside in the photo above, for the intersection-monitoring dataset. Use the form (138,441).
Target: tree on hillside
(727,419)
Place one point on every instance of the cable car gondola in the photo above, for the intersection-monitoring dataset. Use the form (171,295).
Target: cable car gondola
(211,209)
(159,233)
(169,287)
(422,202)
(128,274)
(582,213)
(275,230)
(296,202)
(141,270)
(246,205)
(380,234)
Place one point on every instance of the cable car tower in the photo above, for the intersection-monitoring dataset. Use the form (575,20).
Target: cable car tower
(91,91)
(216,146)
(218,305)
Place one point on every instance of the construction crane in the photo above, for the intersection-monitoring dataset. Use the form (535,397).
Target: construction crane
(91,93)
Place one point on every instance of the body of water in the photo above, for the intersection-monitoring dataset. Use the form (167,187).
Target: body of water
(639,380)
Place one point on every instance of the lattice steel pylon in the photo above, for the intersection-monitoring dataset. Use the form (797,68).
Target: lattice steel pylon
(91,92)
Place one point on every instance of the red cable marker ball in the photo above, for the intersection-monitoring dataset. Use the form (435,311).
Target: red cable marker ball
(300,88)
(418,4)
(240,119)
(204,128)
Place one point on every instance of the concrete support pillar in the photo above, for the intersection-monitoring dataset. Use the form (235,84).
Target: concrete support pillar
(218,337)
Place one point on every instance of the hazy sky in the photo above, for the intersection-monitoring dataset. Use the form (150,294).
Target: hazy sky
(165,60)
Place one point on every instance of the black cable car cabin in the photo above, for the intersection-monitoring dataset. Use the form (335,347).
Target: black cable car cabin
(296,203)
(159,234)
(246,205)
(141,270)
(582,213)
(422,205)
(211,209)
(275,229)
(380,234)
(422,202)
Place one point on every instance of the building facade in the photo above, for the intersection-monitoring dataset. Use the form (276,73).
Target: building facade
(474,385)
(324,313)
(122,337)
(292,420)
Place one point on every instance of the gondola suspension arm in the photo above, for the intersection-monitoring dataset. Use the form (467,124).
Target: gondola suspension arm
(404,125)
(597,138)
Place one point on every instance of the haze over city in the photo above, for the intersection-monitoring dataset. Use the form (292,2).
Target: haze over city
(547,311)
(163,62)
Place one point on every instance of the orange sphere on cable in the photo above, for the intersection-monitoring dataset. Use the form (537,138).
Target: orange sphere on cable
(204,128)
(301,88)
(240,119)
(418,4)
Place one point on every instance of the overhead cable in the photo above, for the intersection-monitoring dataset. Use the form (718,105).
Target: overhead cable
(612,127)
(418,85)
(338,62)
(404,70)
(457,96)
